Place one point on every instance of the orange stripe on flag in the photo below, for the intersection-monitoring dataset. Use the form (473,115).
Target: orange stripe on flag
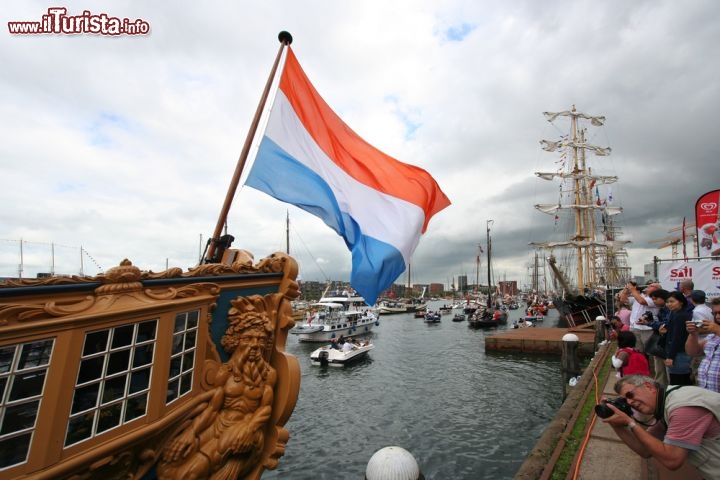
(349,151)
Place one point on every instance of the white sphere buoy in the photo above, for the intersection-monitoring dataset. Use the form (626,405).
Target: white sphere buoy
(392,463)
(570,337)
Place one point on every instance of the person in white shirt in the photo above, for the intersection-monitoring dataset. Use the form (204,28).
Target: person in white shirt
(640,302)
(702,311)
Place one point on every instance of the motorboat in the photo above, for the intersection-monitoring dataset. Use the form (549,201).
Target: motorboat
(389,307)
(445,309)
(432,317)
(338,356)
(336,315)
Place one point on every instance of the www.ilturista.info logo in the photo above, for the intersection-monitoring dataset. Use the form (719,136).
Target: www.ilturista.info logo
(58,22)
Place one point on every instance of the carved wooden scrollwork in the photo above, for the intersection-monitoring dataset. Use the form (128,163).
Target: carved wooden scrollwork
(234,435)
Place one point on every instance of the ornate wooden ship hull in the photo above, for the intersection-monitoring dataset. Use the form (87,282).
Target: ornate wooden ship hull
(136,375)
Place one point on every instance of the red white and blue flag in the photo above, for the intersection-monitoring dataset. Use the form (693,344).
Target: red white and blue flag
(310,158)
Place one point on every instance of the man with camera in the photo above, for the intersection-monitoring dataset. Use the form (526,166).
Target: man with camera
(684,425)
(640,302)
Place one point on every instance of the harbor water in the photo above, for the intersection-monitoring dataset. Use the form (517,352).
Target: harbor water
(431,389)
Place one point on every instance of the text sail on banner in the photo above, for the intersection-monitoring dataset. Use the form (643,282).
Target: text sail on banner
(704,273)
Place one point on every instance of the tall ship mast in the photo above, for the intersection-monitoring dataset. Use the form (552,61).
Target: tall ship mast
(589,256)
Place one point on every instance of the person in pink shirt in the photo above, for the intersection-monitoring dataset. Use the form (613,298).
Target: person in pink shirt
(615,327)
(623,312)
(684,426)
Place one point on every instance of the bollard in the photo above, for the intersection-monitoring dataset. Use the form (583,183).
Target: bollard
(393,463)
(569,362)
(600,327)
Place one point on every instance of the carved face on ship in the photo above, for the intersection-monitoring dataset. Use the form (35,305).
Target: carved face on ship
(226,439)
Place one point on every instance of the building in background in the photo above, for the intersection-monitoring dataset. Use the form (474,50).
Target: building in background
(462,285)
(508,287)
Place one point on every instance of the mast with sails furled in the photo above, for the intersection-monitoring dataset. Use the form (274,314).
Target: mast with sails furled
(598,255)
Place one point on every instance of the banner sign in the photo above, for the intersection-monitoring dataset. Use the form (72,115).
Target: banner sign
(707,224)
(705,274)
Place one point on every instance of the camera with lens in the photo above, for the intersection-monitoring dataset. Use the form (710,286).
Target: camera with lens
(698,323)
(646,318)
(603,411)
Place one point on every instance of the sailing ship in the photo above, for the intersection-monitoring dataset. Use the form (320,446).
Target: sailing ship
(490,315)
(150,375)
(591,257)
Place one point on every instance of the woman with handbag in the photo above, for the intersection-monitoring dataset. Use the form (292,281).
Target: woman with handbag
(677,361)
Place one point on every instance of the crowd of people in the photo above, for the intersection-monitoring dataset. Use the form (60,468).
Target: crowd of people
(669,363)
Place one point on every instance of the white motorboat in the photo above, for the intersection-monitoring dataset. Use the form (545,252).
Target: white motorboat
(388,307)
(335,316)
(338,356)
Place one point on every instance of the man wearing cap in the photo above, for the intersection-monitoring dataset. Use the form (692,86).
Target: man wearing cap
(640,302)
(708,373)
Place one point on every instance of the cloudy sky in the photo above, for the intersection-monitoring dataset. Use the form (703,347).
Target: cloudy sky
(126,145)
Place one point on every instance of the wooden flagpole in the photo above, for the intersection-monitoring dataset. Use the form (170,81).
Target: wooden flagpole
(285,40)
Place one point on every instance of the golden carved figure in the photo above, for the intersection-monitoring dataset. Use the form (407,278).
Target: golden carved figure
(225,441)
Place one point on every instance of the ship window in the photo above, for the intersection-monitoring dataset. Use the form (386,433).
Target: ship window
(113,381)
(23,369)
(182,356)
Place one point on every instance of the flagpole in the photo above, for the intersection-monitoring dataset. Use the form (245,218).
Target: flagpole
(285,40)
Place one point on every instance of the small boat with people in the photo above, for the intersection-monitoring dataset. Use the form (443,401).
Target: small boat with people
(487,318)
(522,323)
(340,353)
(445,309)
(459,317)
(433,317)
